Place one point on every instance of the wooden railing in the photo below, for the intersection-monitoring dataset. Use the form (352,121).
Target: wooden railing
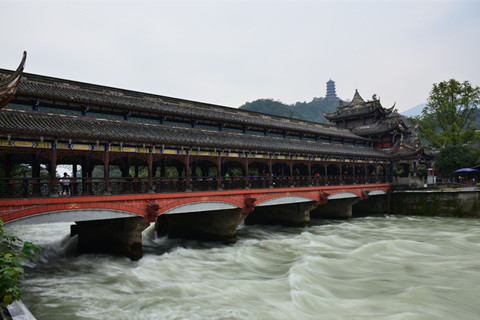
(43,187)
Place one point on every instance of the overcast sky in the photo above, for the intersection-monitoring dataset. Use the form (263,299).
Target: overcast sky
(229,52)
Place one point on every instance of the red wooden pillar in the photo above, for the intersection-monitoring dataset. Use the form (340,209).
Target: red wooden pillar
(187,170)
(53,169)
(354,172)
(291,171)
(106,167)
(246,170)
(366,174)
(309,171)
(219,170)
(341,173)
(150,170)
(325,169)
(270,177)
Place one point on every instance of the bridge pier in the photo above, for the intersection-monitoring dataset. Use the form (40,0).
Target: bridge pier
(335,209)
(293,214)
(372,205)
(114,236)
(218,225)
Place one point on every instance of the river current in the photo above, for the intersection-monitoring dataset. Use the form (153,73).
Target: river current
(380,267)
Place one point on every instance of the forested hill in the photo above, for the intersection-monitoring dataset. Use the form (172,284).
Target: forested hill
(311,111)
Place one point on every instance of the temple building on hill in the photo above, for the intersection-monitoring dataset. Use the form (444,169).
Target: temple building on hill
(331,94)
(384,126)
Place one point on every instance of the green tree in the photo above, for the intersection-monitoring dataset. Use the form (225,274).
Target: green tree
(12,251)
(449,114)
(454,157)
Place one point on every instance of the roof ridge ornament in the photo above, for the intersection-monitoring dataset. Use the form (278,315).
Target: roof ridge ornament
(357,99)
(8,86)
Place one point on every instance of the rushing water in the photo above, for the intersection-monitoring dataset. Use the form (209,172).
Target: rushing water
(382,267)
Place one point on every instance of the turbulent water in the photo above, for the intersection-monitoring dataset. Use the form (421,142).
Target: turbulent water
(382,267)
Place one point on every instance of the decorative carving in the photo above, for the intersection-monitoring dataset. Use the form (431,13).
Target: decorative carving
(249,204)
(152,211)
(364,194)
(323,197)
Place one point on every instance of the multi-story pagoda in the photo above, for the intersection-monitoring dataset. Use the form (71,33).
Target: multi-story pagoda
(331,94)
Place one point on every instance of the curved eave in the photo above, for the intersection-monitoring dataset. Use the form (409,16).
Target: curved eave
(118,99)
(378,128)
(32,125)
(8,86)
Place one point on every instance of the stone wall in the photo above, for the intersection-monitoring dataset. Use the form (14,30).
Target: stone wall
(447,203)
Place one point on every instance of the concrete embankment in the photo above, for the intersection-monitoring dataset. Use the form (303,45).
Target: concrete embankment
(447,202)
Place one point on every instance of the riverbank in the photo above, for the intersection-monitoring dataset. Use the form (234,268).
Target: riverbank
(15,311)
(439,202)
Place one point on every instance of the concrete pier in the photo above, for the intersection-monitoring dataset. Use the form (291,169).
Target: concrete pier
(335,209)
(294,214)
(114,236)
(218,225)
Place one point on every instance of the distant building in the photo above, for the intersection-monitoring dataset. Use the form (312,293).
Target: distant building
(384,126)
(331,94)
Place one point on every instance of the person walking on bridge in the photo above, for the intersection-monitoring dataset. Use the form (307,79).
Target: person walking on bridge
(65,181)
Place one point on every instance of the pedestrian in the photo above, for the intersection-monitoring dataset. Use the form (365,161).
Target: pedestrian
(65,181)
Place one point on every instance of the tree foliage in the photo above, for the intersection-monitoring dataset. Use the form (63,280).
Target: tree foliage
(449,114)
(12,251)
(454,157)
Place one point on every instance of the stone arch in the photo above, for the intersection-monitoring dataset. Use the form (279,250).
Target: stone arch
(279,200)
(342,195)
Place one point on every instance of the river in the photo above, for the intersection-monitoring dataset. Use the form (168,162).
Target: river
(379,267)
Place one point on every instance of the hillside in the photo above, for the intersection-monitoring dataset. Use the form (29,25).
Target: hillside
(311,111)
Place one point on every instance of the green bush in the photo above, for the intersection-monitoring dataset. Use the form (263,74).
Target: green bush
(12,251)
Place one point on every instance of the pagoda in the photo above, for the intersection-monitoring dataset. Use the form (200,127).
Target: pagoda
(331,94)
(369,119)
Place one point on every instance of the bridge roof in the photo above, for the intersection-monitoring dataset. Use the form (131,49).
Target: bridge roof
(35,124)
(37,86)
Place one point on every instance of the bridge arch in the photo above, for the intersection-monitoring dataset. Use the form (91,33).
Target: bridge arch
(278,200)
(342,195)
(201,206)
(377,192)
(78,211)
(74,215)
